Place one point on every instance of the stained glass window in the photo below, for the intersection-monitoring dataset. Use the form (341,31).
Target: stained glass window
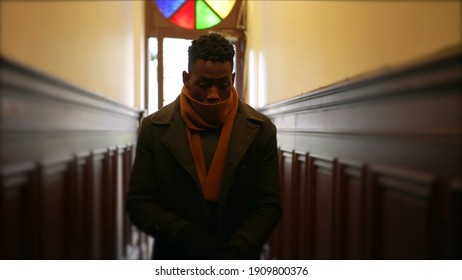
(195,14)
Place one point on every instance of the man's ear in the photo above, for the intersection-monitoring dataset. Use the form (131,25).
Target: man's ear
(186,79)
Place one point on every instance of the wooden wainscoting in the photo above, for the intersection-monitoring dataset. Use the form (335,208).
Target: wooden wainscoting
(371,168)
(66,156)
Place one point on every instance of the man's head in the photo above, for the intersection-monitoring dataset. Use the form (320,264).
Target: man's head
(210,74)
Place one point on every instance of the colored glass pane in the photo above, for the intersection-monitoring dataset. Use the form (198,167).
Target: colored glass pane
(205,17)
(221,7)
(183,17)
(168,7)
(195,14)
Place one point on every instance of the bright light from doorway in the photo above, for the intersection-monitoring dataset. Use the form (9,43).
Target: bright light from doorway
(152,76)
(175,62)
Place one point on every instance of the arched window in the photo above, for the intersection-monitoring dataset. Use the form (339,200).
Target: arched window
(195,15)
(170,27)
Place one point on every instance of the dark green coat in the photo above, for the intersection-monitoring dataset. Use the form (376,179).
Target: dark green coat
(165,195)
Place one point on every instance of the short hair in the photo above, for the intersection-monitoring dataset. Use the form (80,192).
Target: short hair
(211,47)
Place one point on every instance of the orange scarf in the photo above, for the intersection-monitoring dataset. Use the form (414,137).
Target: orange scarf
(199,116)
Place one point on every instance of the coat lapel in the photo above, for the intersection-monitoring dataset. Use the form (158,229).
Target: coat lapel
(242,136)
(176,140)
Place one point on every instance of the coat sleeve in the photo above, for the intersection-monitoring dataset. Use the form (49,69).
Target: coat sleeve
(256,229)
(141,204)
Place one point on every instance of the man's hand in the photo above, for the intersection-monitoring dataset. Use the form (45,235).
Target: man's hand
(196,243)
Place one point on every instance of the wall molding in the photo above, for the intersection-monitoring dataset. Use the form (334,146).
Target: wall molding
(437,71)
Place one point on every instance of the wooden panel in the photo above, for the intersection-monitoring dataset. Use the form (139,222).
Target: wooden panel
(322,178)
(299,212)
(127,164)
(107,203)
(98,160)
(404,213)
(119,206)
(289,205)
(80,209)
(55,179)
(276,240)
(454,242)
(18,236)
(350,207)
(286,204)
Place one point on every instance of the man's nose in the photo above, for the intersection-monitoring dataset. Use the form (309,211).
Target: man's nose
(213,95)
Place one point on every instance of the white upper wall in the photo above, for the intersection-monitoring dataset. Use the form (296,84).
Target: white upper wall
(298,46)
(293,46)
(95,45)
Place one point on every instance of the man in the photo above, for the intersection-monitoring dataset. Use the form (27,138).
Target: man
(205,180)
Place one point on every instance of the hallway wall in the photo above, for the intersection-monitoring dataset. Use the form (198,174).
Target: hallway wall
(96,45)
(319,43)
(371,168)
(65,161)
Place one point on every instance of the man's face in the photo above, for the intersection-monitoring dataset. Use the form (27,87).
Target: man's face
(209,82)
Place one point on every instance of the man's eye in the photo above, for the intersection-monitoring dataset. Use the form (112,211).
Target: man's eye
(204,85)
